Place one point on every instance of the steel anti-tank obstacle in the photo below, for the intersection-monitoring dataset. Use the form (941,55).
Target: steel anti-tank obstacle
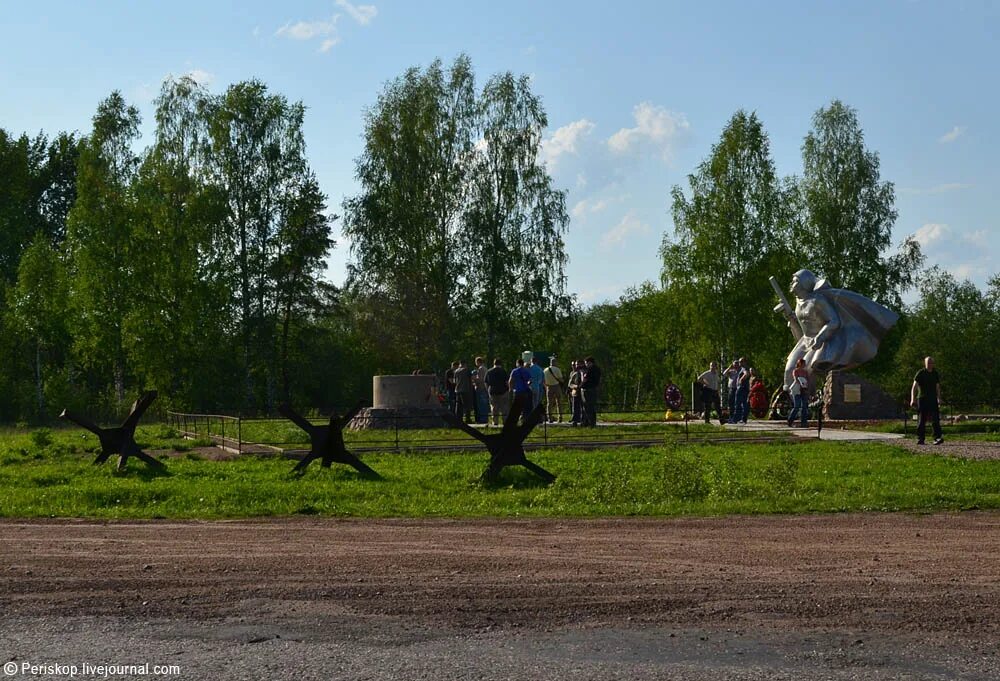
(506,448)
(327,441)
(120,440)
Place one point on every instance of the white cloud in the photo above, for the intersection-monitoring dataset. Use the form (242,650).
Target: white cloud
(588,206)
(601,293)
(363,14)
(581,180)
(256,31)
(970,271)
(628,226)
(981,239)
(565,140)
(931,232)
(952,134)
(655,126)
(328,44)
(144,93)
(201,76)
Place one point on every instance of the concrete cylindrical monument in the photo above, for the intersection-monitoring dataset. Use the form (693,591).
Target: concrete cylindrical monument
(390,392)
(402,401)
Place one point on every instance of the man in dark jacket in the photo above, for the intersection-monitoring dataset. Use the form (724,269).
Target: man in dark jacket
(499,393)
(589,384)
(925,395)
(464,395)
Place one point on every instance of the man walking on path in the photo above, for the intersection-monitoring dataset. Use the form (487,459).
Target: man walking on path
(925,395)
(709,381)
(553,391)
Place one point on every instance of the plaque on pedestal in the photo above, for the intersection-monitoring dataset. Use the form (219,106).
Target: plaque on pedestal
(848,397)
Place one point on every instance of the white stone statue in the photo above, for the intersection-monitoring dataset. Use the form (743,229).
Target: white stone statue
(834,328)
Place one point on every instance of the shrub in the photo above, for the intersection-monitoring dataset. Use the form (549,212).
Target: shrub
(41,438)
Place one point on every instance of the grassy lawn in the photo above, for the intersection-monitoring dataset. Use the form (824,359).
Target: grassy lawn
(50,474)
(281,433)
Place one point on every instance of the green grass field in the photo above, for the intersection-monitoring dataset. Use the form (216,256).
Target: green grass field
(46,474)
(281,433)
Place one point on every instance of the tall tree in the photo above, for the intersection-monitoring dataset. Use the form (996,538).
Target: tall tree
(729,237)
(457,222)
(513,265)
(302,244)
(39,308)
(850,211)
(256,160)
(177,336)
(99,238)
(38,187)
(404,224)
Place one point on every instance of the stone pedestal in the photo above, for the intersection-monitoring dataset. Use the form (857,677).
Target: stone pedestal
(402,401)
(848,397)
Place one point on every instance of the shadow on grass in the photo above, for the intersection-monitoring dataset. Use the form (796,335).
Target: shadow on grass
(145,473)
(344,474)
(510,478)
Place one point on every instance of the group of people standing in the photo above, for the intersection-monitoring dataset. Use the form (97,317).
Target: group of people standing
(742,381)
(489,394)
(740,378)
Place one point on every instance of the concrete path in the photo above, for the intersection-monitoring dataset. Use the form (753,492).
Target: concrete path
(828,433)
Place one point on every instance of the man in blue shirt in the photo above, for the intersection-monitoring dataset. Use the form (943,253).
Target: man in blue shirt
(520,385)
(537,382)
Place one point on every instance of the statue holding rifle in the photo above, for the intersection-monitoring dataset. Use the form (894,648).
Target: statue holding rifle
(833,328)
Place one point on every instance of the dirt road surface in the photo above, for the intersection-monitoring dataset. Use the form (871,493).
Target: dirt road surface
(817,597)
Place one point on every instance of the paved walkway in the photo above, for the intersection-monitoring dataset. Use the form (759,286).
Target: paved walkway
(828,433)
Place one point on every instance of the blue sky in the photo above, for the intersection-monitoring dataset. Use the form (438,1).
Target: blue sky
(636,94)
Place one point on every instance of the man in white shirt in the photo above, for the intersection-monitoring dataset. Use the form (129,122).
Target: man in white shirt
(709,381)
(553,379)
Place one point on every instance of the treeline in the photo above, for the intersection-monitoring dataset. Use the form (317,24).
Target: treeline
(739,223)
(194,264)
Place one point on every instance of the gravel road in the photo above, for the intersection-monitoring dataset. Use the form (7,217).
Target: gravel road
(860,596)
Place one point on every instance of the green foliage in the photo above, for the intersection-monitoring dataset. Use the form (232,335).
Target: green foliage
(457,221)
(849,212)
(99,240)
(58,479)
(959,326)
(41,438)
(684,476)
(729,237)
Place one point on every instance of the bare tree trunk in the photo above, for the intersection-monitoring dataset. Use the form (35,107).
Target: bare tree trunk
(38,379)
